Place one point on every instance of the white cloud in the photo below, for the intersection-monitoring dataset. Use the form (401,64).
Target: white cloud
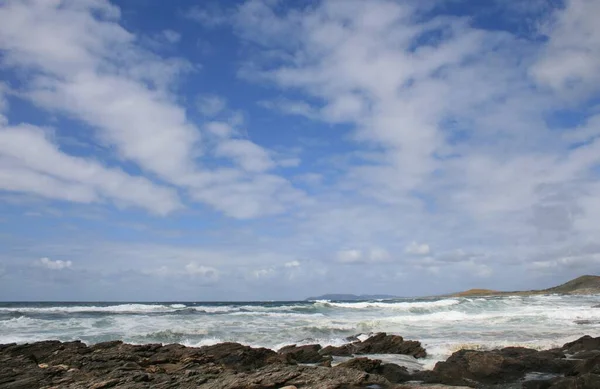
(211,105)
(82,63)
(263,273)
(458,139)
(292,264)
(250,156)
(30,162)
(54,265)
(417,249)
(363,256)
(171,36)
(350,256)
(220,129)
(572,56)
(195,270)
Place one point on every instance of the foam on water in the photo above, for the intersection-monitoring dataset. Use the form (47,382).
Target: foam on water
(442,325)
(404,306)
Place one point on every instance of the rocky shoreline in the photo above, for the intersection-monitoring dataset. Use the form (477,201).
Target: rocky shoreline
(55,364)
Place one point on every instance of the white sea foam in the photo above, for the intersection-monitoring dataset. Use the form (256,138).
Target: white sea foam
(121,308)
(397,305)
(443,325)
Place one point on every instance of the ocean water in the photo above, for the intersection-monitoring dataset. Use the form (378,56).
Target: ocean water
(442,325)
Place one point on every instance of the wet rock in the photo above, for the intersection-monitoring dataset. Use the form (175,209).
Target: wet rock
(499,366)
(590,365)
(239,357)
(380,343)
(392,372)
(303,354)
(314,377)
(73,365)
(105,384)
(419,386)
(586,354)
(585,343)
(341,351)
(390,344)
(586,381)
(537,384)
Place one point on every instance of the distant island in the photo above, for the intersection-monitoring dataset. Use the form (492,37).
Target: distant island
(581,285)
(352,297)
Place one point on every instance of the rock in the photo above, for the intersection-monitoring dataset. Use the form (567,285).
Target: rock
(419,386)
(380,343)
(585,343)
(288,387)
(586,354)
(314,377)
(591,365)
(362,364)
(105,384)
(537,384)
(586,381)
(303,354)
(342,351)
(239,357)
(73,365)
(392,372)
(499,366)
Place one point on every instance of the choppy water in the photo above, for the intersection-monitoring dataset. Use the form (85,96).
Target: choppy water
(442,325)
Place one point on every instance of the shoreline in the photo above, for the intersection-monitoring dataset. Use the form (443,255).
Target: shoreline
(55,364)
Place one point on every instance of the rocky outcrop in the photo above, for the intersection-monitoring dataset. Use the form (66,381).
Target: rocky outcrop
(74,365)
(390,371)
(303,354)
(509,364)
(585,343)
(380,343)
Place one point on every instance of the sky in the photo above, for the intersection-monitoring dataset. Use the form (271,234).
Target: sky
(274,150)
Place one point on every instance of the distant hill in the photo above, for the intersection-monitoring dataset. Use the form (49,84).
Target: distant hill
(351,297)
(580,285)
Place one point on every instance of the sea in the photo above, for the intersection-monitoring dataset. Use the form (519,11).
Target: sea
(442,325)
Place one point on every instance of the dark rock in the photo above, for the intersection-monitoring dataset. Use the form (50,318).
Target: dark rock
(585,343)
(586,381)
(499,366)
(277,376)
(303,354)
(390,344)
(341,351)
(591,365)
(73,365)
(586,354)
(537,384)
(380,343)
(239,357)
(392,372)
(427,376)
(362,364)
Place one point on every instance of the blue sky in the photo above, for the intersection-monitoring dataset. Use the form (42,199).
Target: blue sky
(264,149)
